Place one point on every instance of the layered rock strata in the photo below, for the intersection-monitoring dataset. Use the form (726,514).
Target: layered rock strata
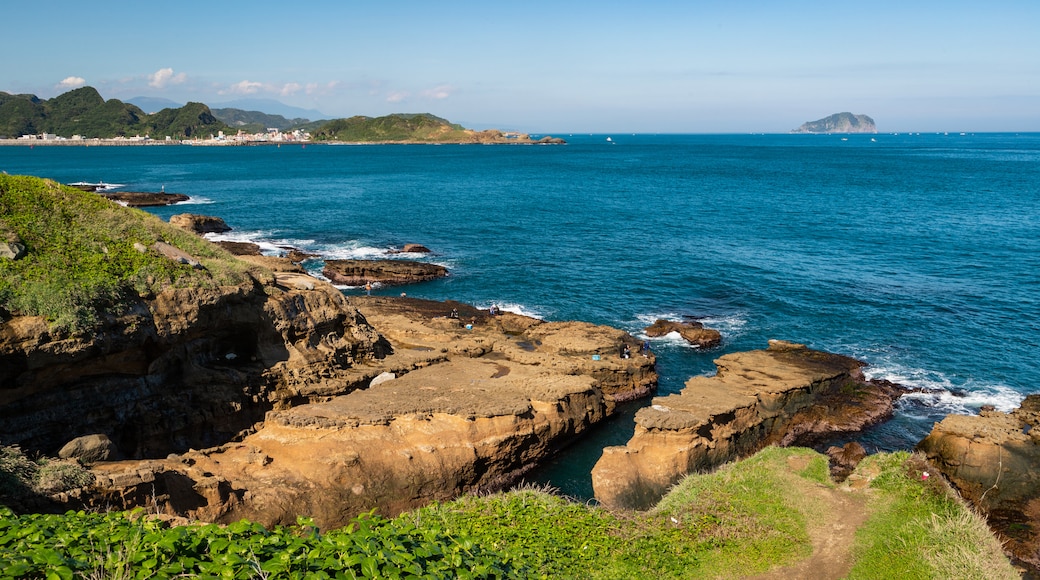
(787,394)
(189,367)
(471,404)
(385,272)
(991,459)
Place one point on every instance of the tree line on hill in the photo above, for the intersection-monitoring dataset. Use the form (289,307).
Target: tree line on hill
(84,112)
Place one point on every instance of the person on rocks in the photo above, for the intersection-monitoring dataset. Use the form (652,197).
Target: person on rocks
(625,351)
(368,288)
(645,349)
(454,313)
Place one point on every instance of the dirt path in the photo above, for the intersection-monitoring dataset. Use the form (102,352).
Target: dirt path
(841,512)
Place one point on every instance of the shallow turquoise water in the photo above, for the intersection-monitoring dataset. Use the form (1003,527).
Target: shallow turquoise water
(918,254)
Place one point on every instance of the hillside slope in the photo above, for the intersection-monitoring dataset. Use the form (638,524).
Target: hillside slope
(84,112)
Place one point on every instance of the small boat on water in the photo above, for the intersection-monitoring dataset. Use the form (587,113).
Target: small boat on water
(96,187)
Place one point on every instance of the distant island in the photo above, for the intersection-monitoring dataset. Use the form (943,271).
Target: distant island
(839,123)
(82,115)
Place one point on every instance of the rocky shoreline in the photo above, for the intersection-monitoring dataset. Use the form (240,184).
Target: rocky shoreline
(280,396)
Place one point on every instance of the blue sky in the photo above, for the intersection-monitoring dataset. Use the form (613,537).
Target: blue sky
(678,67)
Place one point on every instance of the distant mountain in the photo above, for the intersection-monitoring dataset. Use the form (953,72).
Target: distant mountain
(271,107)
(839,123)
(83,112)
(255,121)
(153,104)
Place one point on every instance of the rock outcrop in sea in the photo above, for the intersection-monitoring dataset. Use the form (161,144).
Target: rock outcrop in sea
(785,395)
(385,272)
(839,123)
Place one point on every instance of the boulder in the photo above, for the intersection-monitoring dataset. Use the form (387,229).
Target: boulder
(785,395)
(12,250)
(90,449)
(177,255)
(200,224)
(385,272)
(692,332)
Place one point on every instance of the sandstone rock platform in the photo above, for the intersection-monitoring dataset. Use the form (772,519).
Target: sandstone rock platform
(477,401)
(786,395)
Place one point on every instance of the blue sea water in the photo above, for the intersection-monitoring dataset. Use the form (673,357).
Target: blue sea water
(918,254)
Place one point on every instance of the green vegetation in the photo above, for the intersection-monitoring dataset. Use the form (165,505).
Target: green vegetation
(22,480)
(391,128)
(84,112)
(920,529)
(81,260)
(123,545)
(747,518)
(257,122)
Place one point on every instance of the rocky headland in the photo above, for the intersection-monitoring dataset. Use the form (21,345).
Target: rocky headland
(785,395)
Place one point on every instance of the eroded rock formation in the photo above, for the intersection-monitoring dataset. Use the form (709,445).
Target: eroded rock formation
(692,332)
(189,367)
(991,459)
(786,395)
(477,401)
(200,224)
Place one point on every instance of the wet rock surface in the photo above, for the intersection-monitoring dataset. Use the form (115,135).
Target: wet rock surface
(385,272)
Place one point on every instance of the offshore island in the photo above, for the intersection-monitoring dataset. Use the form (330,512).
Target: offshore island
(251,414)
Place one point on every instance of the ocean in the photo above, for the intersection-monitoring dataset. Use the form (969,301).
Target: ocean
(916,253)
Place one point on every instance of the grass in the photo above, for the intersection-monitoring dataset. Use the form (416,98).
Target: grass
(920,529)
(82,261)
(744,519)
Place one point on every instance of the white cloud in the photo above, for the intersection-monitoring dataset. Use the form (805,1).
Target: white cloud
(242,88)
(396,97)
(72,82)
(439,92)
(165,76)
(321,89)
(290,89)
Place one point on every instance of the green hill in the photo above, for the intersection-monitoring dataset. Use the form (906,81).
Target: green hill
(84,112)
(256,121)
(422,127)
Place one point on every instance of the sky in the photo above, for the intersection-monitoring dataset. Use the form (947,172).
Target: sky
(542,67)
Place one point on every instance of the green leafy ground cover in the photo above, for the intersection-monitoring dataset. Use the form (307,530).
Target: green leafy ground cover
(742,520)
(81,259)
